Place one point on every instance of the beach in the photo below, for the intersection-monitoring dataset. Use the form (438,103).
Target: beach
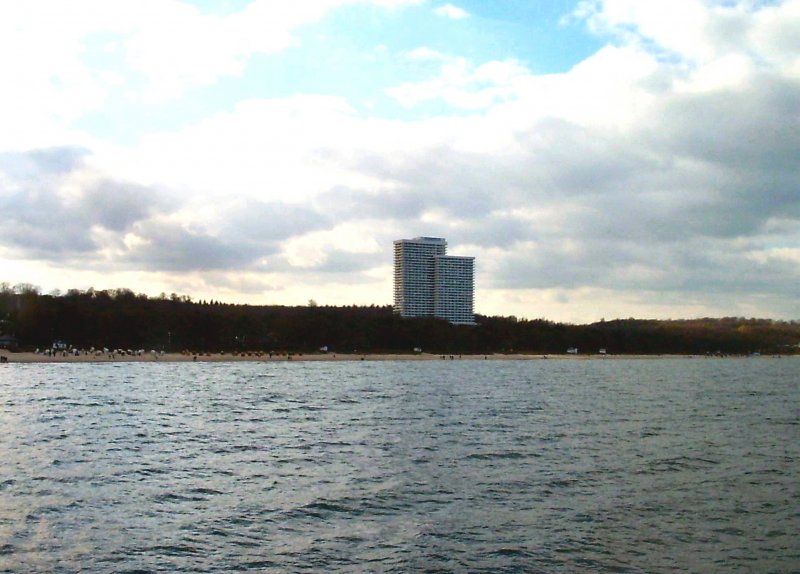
(29,357)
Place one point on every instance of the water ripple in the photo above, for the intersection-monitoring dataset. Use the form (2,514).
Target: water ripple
(553,466)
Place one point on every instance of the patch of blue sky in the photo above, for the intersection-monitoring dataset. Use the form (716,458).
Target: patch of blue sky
(124,121)
(358,53)
(102,51)
(541,34)
(220,7)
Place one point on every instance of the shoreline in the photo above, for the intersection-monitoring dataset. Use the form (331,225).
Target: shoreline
(29,357)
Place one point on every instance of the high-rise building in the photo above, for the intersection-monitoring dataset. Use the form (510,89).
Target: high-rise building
(430,283)
(454,288)
(414,275)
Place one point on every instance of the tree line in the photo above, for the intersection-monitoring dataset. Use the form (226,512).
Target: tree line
(122,319)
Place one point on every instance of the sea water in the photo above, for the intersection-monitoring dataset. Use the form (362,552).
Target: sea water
(619,465)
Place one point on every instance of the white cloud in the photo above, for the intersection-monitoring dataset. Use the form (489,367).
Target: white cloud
(701,32)
(655,178)
(679,27)
(451,11)
(461,84)
(160,49)
(173,50)
(424,53)
(270,149)
(314,249)
(614,87)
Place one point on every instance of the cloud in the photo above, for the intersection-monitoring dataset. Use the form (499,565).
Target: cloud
(347,263)
(70,61)
(460,83)
(451,11)
(53,205)
(262,149)
(273,221)
(171,65)
(660,170)
(423,53)
(162,246)
(752,127)
(117,206)
(261,27)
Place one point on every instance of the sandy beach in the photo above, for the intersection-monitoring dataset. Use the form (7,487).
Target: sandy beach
(28,357)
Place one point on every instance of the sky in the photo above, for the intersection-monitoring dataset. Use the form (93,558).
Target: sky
(600,159)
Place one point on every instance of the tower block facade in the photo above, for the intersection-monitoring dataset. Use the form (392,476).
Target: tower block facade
(430,283)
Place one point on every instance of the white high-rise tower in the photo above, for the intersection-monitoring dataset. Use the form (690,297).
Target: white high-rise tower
(428,282)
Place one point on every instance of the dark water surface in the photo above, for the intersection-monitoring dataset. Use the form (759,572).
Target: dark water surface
(673,465)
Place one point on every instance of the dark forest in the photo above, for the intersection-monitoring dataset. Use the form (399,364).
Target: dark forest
(121,319)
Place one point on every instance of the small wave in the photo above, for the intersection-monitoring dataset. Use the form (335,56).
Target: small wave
(562,483)
(730,531)
(259,564)
(326,506)
(177,550)
(204,490)
(511,552)
(145,471)
(173,497)
(321,509)
(238,448)
(675,464)
(513,455)
(311,408)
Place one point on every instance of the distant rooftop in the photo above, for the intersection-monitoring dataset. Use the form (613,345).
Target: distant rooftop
(429,239)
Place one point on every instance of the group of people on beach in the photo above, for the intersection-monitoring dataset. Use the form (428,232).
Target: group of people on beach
(111,353)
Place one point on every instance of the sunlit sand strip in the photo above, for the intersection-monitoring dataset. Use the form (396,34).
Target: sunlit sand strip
(27,357)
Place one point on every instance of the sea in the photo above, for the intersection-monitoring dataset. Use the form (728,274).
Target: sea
(617,465)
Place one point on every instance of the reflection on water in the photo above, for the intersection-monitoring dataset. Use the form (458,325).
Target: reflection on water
(536,466)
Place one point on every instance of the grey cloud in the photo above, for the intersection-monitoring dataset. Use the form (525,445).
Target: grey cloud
(338,261)
(249,232)
(271,222)
(553,264)
(735,275)
(729,165)
(406,206)
(677,205)
(39,221)
(334,262)
(694,267)
(232,282)
(347,203)
(457,182)
(45,237)
(565,160)
(171,247)
(754,128)
(493,230)
(58,160)
(38,163)
(34,220)
(116,206)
